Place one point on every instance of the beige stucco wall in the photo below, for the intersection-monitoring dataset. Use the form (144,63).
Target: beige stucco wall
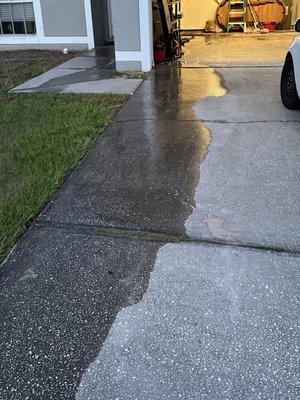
(197,12)
(295,10)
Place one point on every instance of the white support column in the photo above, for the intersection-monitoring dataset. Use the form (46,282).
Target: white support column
(38,20)
(146,32)
(89,24)
(134,51)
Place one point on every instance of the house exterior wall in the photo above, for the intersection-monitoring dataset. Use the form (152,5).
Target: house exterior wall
(126,25)
(133,34)
(75,24)
(59,24)
(63,18)
(197,12)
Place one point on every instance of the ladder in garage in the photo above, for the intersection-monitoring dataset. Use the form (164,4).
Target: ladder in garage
(237,13)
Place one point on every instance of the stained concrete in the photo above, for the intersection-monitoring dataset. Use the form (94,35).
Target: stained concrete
(215,323)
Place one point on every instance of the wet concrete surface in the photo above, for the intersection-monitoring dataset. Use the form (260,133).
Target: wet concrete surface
(161,156)
(89,73)
(159,141)
(59,294)
(144,176)
(90,66)
(171,94)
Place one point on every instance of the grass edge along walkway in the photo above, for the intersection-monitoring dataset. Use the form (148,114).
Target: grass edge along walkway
(42,137)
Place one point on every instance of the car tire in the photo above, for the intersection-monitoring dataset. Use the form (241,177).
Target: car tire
(289,95)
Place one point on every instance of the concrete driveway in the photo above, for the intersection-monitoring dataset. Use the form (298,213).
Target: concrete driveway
(167,266)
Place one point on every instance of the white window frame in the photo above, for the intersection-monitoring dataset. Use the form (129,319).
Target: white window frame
(39,37)
(10,2)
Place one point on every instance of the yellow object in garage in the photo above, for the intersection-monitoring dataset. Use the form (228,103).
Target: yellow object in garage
(197,12)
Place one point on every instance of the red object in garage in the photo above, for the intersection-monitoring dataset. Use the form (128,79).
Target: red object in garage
(160,53)
(270,25)
(159,56)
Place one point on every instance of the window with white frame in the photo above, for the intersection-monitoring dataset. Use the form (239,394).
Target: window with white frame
(17,17)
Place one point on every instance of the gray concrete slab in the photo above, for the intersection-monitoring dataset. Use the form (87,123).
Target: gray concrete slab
(141,174)
(102,86)
(115,86)
(81,75)
(247,191)
(101,51)
(215,323)
(44,78)
(254,95)
(59,294)
(171,93)
(248,188)
(84,63)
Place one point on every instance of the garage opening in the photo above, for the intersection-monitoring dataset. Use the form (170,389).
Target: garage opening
(176,22)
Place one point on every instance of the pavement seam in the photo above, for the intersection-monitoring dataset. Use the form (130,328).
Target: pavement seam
(233,67)
(205,121)
(157,236)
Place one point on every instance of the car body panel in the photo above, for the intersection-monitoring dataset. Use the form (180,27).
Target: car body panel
(295,53)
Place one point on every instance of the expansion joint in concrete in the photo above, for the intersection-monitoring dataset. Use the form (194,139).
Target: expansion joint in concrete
(157,236)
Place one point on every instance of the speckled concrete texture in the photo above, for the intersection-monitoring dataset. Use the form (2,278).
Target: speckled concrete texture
(254,95)
(215,323)
(141,174)
(59,295)
(248,188)
(218,321)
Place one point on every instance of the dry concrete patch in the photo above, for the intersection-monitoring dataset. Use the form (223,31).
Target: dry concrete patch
(206,329)
(114,86)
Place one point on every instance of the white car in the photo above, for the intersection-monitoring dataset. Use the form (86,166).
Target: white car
(290,77)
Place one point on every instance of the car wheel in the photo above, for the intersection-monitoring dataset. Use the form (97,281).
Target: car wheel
(289,93)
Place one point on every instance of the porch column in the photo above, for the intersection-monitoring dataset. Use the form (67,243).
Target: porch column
(133,34)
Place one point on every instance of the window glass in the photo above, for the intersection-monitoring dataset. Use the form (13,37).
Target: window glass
(7,27)
(19,27)
(30,27)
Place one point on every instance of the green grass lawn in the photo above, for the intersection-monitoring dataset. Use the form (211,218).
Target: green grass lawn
(42,136)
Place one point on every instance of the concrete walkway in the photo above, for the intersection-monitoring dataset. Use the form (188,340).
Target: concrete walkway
(103,298)
(89,73)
